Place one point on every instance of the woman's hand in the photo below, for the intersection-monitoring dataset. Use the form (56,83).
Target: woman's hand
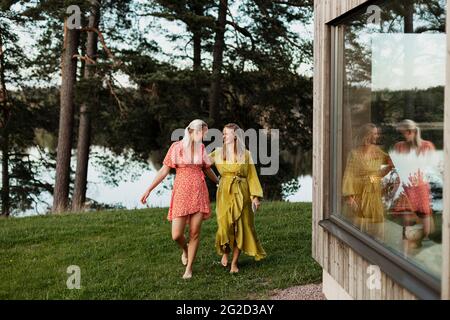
(256,203)
(352,203)
(162,173)
(145,196)
(384,171)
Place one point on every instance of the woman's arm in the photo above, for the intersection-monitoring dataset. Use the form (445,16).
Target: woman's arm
(210,173)
(389,166)
(256,192)
(160,176)
(254,185)
(386,170)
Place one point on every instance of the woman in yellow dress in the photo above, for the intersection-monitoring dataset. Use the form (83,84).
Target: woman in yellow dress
(239,190)
(367,164)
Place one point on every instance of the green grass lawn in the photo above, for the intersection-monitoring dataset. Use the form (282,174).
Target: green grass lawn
(130,255)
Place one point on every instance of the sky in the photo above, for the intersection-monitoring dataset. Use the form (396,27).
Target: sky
(408,61)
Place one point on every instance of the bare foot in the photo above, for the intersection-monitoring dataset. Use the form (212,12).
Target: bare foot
(234,269)
(224,260)
(187,274)
(184,258)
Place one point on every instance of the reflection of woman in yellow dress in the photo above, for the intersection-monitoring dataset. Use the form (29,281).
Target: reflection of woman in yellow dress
(367,164)
(239,190)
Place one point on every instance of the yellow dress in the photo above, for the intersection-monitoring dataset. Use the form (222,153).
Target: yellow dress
(238,185)
(363,180)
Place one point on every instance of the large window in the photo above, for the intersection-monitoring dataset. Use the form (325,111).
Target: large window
(387,126)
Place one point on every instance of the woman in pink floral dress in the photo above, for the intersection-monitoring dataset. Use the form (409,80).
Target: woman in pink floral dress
(190,200)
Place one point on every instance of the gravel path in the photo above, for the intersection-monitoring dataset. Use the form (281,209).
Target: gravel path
(306,292)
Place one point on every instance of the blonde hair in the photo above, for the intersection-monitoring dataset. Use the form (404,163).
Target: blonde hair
(195,125)
(411,126)
(364,133)
(239,145)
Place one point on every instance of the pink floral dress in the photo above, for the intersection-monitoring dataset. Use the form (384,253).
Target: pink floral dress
(189,194)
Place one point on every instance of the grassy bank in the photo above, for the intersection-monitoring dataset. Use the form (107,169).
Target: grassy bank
(130,255)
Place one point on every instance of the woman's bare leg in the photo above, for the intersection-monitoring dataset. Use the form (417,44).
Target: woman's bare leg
(224,260)
(178,226)
(194,240)
(234,262)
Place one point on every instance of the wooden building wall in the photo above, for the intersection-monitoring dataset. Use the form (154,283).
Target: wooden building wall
(347,267)
(446,216)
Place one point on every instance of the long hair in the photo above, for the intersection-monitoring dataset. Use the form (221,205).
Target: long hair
(411,126)
(239,145)
(364,132)
(188,145)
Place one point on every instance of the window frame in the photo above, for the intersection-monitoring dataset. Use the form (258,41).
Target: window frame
(402,271)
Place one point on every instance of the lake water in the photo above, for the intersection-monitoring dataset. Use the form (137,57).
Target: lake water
(133,184)
(134,180)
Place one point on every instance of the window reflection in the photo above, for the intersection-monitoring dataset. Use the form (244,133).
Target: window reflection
(389,131)
(367,165)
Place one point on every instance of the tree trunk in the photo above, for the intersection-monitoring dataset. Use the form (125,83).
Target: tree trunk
(197,39)
(219,46)
(3,93)
(4,134)
(5,173)
(197,35)
(84,129)
(409,111)
(409,17)
(66,119)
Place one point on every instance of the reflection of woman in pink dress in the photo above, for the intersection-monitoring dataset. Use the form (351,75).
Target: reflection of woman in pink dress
(190,200)
(413,139)
(416,194)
